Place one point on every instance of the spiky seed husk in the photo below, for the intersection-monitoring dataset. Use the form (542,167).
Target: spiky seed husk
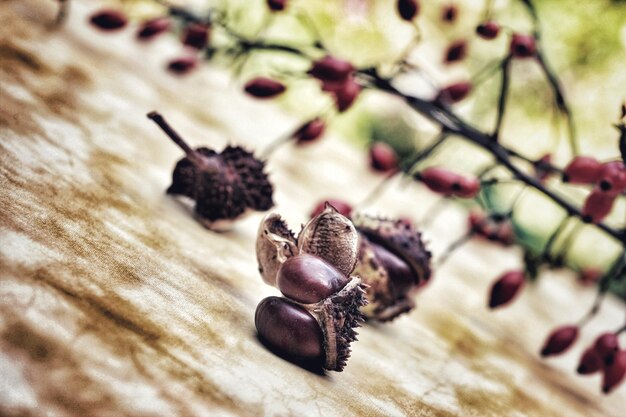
(275,243)
(224,186)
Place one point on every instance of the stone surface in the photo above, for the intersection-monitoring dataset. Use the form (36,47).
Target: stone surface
(115,301)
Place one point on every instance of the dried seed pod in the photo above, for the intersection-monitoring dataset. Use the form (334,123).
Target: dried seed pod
(315,275)
(224,186)
(332,237)
(275,243)
(393,262)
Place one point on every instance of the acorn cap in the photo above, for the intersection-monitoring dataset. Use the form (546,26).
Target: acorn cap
(275,243)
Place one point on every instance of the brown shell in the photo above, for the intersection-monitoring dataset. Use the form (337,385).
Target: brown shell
(405,242)
(332,237)
(224,186)
(274,244)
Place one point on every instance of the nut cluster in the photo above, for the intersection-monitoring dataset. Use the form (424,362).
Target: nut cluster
(313,324)
(394,262)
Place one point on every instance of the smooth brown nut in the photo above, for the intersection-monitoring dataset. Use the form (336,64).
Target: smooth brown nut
(308,279)
(290,330)
(401,278)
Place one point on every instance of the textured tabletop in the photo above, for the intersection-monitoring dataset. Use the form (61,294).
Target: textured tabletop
(115,301)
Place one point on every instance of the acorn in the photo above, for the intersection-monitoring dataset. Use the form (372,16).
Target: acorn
(224,186)
(394,262)
(313,324)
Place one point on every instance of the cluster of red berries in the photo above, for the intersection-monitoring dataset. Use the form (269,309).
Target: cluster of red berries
(608,180)
(604,355)
(195,36)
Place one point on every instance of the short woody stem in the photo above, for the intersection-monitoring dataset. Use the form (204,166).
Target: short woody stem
(172,134)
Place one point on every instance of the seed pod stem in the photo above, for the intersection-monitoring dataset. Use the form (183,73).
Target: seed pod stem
(176,138)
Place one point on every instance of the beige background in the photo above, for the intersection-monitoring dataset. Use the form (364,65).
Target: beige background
(114,301)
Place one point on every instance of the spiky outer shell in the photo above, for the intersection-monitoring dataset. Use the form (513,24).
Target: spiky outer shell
(275,243)
(402,241)
(338,316)
(224,185)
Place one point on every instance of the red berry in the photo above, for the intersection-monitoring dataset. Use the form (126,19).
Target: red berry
(582,170)
(262,87)
(613,177)
(454,92)
(151,28)
(590,362)
(346,95)
(597,206)
(196,36)
(310,131)
(408,9)
(108,20)
(523,46)
(468,187)
(456,51)
(614,374)
(505,288)
(383,158)
(276,5)
(342,207)
(589,275)
(449,13)
(607,346)
(182,66)
(449,183)
(488,30)
(334,73)
(560,340)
